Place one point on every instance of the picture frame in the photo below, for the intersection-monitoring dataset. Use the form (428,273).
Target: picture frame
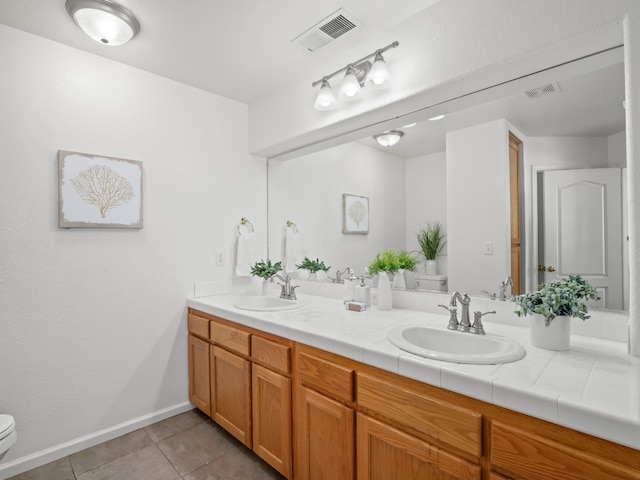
(355,214)
(96,191)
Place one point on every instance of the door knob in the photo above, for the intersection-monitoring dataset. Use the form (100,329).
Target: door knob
(541,268)
(551,269)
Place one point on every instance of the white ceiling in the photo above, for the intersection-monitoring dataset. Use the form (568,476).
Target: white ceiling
(242,49)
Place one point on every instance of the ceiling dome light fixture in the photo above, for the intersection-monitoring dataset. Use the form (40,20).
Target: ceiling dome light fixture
(390,138)
(325,100)
(356,74)
(104,21)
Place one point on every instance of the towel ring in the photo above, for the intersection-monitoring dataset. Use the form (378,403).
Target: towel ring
(244,221)
(290,224)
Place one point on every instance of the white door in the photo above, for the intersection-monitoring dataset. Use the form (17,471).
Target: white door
(582,228)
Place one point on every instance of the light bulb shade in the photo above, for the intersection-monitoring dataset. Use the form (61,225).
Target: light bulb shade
(390,138)
(325,100)
(379,73)
(350,88)
(105,22)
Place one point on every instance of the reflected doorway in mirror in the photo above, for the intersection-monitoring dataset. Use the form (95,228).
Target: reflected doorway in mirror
(355,214)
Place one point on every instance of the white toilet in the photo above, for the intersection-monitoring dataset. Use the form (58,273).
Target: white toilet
(432,283)
(8,434)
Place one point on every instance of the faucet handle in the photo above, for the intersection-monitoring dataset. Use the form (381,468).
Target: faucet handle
(453,316)
(477,326)
(491,295)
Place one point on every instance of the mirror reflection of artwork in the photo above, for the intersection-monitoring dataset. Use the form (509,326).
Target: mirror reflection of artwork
(97,191)
(355,214)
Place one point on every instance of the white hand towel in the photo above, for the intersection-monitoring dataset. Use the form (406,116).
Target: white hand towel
(246,254)
(291,250)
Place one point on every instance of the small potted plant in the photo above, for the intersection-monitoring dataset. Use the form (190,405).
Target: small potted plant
(406,277)
(431,241)
(385,264)
(551,309)
(265,270)
(316,267)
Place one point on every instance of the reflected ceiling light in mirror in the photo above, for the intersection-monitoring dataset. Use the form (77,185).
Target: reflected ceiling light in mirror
(410,125)
(390,138)
(325,100)
(437,117)
(104,21)
(356,73)
(379,74)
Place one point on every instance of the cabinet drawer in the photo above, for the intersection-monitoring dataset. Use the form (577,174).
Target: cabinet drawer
(326,376)
(230,337)
(198,326)
(457,426)
(272,354)
(537,458)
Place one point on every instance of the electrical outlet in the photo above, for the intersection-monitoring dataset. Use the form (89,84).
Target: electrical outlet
(487,248)
(220,259)
(374,297)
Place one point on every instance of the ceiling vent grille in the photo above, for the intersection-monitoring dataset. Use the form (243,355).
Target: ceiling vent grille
(542,91)
(327,30)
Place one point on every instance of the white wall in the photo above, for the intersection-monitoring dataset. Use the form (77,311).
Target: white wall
(308,191)
(478,168)
(617,149)
(426,197)
(92,321)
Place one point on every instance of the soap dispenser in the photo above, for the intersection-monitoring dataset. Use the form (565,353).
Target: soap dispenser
(349,287)
(362,293)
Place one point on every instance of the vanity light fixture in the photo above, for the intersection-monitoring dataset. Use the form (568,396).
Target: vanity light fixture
(390,138)
(104,21)
(356,75)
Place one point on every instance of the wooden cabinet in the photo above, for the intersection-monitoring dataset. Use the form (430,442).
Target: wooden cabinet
(231,393)
(313,415)
(272,418)
(199,386)
(387,453)
(325,419)
(531,456)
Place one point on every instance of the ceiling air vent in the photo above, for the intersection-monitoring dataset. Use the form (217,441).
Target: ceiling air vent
(538,92)
(327,30)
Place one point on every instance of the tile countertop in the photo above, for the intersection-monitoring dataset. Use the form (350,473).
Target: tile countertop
(593,388)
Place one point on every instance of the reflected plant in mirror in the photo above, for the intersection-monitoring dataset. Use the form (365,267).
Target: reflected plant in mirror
(266,269)
(431,241)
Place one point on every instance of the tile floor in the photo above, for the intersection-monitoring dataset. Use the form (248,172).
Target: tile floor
(188,446)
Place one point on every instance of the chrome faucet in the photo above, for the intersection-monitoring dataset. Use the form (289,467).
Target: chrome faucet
(477,326)
(287,291)
(339,279)
(503,287)
(465,323)
(453,316)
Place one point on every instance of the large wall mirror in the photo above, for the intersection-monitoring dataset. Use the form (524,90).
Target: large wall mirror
(489,171)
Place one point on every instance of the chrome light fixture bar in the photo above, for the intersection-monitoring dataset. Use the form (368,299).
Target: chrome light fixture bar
(356,74)
(104,21)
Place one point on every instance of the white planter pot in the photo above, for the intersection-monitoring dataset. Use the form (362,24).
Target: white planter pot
(410,280)
(431,267)
(556,336)
(303,273)
(321,275)
(385,302)
(399,281)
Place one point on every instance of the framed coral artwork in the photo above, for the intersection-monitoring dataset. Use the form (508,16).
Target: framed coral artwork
(98,192)
(355,214)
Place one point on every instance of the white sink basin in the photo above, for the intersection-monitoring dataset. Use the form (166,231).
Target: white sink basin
(266,304)
(454,346)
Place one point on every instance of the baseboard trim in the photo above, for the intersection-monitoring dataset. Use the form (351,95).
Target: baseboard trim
(37,459)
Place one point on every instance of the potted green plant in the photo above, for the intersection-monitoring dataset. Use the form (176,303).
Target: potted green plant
(265,270)
(316,266)
(551,308)
(431,242)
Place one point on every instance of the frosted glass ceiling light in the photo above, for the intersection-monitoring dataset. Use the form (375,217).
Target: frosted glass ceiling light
(379,74)
(104,21)
(390,138)
(356,73)
(351,88)
(325,100)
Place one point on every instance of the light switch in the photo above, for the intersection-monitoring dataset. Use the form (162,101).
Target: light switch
(487,248)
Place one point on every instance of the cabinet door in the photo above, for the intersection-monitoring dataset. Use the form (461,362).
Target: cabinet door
(272,418)
(385,453)
(231,393)
(199,387)
(325,438)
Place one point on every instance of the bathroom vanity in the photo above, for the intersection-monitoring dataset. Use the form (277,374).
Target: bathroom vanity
(315,395)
